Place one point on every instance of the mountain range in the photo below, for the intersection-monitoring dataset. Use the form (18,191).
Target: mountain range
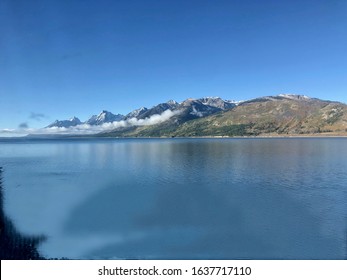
(192,108)
(284,114)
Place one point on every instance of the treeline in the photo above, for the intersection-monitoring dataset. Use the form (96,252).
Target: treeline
(13,245)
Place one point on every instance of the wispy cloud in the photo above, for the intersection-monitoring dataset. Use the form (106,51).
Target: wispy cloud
(23,125)
(37,116)
(84,129)
(8,131)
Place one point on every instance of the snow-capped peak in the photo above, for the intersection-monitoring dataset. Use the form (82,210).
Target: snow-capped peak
(136,113)
(294,96)
(104,117)
(74,119)
(217,102)
(65,123)
(172,102)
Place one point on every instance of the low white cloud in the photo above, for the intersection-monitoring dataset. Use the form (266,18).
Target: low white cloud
(8,132)
(84,129)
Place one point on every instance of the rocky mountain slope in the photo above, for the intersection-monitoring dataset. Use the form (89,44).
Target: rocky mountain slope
(272,115)
(284,114)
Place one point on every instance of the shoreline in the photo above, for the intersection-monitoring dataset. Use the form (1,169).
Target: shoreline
(261,136)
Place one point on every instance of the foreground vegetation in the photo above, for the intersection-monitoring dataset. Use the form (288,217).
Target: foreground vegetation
(15,246)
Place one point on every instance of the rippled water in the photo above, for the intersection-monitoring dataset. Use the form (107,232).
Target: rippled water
(180,198)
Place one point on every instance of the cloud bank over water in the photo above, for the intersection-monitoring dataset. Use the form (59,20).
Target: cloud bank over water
(85,129)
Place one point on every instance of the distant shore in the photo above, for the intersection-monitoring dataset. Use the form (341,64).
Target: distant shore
(57,137)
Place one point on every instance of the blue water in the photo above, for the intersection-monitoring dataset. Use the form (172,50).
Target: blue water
(180,198)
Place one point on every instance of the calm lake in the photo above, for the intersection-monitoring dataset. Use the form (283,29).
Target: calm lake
(180,198)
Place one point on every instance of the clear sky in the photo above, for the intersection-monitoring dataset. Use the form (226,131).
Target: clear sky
(60,58)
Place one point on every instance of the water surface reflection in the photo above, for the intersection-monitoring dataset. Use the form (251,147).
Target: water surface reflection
(182,198)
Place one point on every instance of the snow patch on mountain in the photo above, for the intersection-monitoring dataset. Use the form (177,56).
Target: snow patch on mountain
(294,96)
(217,102)
(195,112)
(136,113)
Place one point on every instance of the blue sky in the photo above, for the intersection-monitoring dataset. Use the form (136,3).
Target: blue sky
(63,58)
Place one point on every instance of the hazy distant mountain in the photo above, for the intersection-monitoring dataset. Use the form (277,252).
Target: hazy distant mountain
(65,123)
(104,117)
